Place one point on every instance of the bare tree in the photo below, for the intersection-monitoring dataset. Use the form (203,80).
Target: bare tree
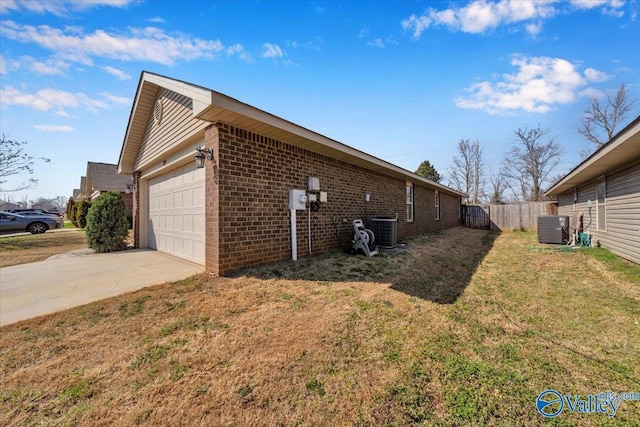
(497,188)
(601,120)
(14,161)
(58,203)
(467,170)
(529,163)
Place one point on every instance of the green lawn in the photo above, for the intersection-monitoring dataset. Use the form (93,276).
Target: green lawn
(38,247)
(466,327)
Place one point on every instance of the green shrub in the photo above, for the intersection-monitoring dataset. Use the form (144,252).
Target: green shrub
(107,225)
(71,210)
(82,208)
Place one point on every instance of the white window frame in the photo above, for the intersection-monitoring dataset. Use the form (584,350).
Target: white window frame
(410,201)
(437,198)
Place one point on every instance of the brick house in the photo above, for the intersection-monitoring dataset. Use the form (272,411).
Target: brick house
(234,212)
(80,193)
(103,177)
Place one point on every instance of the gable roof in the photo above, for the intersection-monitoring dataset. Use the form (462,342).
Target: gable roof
(211,106)
(82,193)
(623,148)
(105,177)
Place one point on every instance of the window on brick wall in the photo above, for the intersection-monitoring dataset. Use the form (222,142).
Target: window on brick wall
(437,205)
(409,202)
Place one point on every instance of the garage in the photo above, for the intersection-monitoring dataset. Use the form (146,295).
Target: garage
(176,213)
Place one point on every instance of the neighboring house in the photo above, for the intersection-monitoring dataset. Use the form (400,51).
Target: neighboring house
(234,212)
(103,177)
(606,189)
(7,206)
(82,191)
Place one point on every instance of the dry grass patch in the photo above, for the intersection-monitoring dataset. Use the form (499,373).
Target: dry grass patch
(38,247)
(465,327)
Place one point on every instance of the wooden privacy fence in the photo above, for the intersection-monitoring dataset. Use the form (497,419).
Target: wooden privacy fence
(513,216)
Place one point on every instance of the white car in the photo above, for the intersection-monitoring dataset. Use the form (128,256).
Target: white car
(34,224)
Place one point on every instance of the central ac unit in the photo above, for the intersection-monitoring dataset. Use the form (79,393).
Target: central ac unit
(553,229)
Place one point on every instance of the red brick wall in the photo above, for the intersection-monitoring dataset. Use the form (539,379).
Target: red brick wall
(212,202)
(248,217)
(128,204)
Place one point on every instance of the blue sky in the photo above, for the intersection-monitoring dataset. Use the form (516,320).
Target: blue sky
(403,81)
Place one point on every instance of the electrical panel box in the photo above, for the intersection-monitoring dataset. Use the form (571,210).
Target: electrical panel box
(553,229)
(297,200)
(313,183)
(313,198)
(323,197)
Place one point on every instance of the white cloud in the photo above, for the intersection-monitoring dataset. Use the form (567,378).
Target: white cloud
(270,50)
(8,65)
(616,13)
(539,84)
(147,44)
(377,43)
(238,49)
(114,99)
(49,67)
(314,43)
(57,7)
(57,101)
(591,4)
(118,73)
(481,16)
(595,75)
(157,20)
(417,24)
(380,43)
(54,128)
(533,29)
(609,7)
(43,100)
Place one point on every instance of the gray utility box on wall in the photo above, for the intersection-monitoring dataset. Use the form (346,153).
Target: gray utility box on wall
(553,229)
(385,231)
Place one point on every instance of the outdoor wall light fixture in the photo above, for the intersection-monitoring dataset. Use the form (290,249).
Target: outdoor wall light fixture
(201,154)
(130,188)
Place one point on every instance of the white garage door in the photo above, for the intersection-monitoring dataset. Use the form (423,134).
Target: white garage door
(176,213)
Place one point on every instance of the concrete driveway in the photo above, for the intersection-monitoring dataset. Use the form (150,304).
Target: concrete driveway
(80,277)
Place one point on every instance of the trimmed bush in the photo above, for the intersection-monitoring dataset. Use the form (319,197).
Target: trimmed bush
(82,208)
(71,210)
(107,224)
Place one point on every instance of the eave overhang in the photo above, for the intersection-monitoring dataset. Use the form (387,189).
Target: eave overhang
(621,150)
(212,106)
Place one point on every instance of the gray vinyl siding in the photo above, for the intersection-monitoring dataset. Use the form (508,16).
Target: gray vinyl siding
(566,206)
(177,125)
(622,234)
